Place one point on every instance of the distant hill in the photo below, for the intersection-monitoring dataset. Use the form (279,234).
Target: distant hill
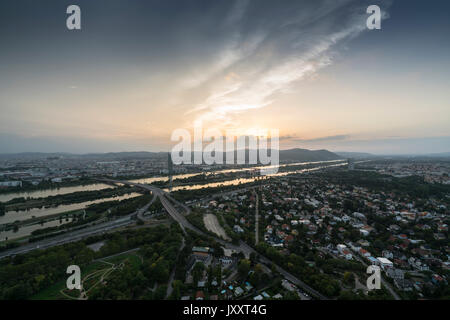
(285,155)
(297,155)
(438,155)
(33,155)
(125,155)
(355,155)
(103,156)
(307,155)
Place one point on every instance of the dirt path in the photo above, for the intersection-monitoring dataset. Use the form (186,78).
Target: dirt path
(102,273)
(213,225)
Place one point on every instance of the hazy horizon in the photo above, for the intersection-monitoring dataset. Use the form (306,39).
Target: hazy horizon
(281,149)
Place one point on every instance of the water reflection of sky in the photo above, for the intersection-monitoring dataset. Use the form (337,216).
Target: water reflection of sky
(26,230)
(12,216)
(52,192)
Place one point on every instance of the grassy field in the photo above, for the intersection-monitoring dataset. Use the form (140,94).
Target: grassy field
(92,273)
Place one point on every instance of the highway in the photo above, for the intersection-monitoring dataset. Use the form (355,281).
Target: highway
(68,237)
(141,211)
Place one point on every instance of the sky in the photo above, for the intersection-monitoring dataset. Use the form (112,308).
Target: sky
(138,70)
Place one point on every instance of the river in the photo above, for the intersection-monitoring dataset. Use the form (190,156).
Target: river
(27,230)
(12,216)
(99,186)
(52,192)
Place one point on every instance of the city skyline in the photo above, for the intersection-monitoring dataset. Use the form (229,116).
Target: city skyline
(133,74)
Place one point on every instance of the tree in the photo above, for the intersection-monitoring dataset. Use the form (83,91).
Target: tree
(310,256)
(219,273)
(348,205)
(160,293)
(218,250)
(348,295)
(177,287)
(240,255)
(244,267)
(197,272)
(210,275)
(291,296)
(255,278)
(273,268)
(253,258)
(349,278)
(159,271)
(18,292)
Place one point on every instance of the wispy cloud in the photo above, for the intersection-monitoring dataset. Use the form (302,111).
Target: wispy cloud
(269,49)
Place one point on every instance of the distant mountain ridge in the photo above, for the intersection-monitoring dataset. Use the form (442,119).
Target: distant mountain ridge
(355,155)
(296,154)
(307,155)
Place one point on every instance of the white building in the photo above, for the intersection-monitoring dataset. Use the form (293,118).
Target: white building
(359,215)
(341,247)
(278,217)
(385,263)
(363,232)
